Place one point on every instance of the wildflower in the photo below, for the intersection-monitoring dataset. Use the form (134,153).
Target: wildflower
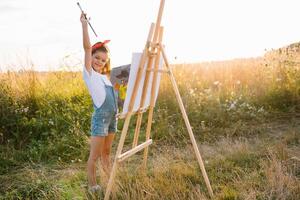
(244,104)
(232,106)
(191,91)
(207,91)
(202,124)
(249,107)
(261,110)
(216,83)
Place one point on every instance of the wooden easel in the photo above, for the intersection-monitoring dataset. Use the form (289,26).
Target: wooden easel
(151,53)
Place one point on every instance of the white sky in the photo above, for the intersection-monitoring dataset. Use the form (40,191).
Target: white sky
(46,31)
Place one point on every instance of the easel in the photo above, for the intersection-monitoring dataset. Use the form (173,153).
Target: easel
(152,52)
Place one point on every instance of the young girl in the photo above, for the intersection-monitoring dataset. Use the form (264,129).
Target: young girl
(103,124)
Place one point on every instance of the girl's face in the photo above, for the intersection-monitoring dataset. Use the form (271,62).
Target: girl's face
(99,59)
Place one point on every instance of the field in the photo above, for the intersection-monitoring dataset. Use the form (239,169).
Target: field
(244,114)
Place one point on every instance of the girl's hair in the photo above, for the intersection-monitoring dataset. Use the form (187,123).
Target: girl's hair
(101,47)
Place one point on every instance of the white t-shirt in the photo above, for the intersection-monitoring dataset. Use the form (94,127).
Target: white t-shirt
(95,83)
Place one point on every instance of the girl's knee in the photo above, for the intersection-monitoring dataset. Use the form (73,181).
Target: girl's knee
(93,158)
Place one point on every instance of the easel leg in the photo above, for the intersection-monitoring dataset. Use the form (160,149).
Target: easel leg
(119,150)
(152,100)
(137,130)
(187,123)
(142,102)
(144,93)
(150,116)
(143,61)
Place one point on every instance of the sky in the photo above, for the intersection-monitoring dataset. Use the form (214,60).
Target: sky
(47,34)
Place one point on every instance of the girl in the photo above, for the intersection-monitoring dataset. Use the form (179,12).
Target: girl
(103,124)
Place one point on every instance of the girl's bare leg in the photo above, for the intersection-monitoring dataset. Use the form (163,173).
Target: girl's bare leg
(96,144)
(106,152)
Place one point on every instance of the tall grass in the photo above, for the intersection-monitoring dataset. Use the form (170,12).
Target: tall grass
(45,120)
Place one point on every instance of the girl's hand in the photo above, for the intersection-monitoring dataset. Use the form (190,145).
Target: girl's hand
(83,19)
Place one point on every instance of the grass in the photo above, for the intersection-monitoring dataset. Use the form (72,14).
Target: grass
(237,168)
(244,114)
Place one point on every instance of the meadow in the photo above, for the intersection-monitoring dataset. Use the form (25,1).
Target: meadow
(244,114)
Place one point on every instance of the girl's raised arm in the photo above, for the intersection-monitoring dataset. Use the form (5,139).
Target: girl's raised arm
(86,43)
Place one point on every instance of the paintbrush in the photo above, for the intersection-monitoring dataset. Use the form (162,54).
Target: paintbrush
(87,19)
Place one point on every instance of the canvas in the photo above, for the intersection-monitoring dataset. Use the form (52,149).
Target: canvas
(136,57)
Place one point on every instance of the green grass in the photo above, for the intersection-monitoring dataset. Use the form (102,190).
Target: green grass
(237,168)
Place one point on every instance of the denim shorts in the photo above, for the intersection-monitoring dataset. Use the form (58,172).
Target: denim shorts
(104,118)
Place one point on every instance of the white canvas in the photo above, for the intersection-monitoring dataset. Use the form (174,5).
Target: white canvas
(131,81)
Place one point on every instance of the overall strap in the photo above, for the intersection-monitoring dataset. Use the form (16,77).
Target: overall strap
(113,93)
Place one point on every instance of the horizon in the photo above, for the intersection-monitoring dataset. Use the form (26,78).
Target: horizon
(79,69)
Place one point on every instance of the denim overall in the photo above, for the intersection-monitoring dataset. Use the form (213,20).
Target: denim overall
(104,118)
